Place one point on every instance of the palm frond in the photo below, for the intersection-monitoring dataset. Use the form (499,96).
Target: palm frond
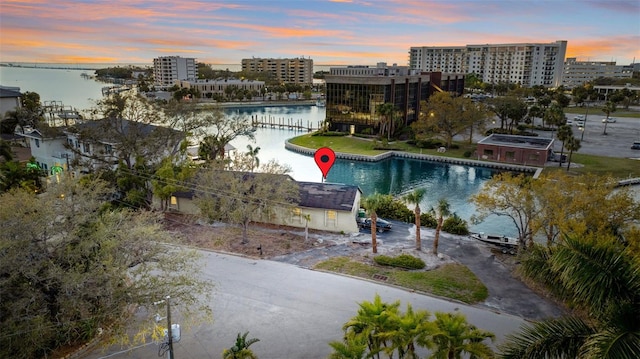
(554,338)
(613,344)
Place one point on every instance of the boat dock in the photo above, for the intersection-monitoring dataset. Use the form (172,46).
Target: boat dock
(285,123)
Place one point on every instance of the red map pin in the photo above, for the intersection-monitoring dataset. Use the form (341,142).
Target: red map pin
(324,159)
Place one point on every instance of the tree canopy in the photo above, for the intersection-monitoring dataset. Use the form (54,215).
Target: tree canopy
(72,267)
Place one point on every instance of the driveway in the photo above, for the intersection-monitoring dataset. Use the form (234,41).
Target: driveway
(506,293)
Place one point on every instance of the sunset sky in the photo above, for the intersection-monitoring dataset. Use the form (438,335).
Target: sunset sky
(327,31)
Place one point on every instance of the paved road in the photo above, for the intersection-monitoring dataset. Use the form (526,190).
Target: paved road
(294,311)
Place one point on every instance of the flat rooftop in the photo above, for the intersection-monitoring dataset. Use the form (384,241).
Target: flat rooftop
(517,141)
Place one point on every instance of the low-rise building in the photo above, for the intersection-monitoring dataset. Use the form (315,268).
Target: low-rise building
(9,99)
(354,93)
(522,150)
(328,206)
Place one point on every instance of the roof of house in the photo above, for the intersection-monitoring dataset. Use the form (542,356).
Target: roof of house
(517,141)
(335,196)
(7,92)
(123,126)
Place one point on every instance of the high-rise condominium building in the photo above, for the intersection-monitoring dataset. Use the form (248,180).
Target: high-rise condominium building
(169,69)
(527,64)
(293,71)
(577,73)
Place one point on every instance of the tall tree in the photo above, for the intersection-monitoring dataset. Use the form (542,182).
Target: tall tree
(444,115)
(564,134)
(573,144)
(441,211)
(512,196)
(244,197)
(415,197)
(372,204)
(608,109)
(509,109)
(253,153)
(222,130)
(599,277)
(71,265)
(386,112)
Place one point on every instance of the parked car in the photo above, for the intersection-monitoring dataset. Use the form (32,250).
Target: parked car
(579,123)
(610,120)
(569,122)
(381,225)
(579,118)
(635,145)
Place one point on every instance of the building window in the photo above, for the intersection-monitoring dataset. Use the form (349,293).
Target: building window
(331,217)
(87,147)
(297,214)
(488,152)
(37,143)
(510,155)
(534,157)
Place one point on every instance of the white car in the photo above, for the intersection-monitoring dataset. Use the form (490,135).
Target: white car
(579,118)
(579,123)
(609,119)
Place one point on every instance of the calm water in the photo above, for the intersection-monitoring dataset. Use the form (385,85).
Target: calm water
(394,176)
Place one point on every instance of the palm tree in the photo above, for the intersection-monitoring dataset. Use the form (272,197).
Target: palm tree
(608,108)
(455,337)
(573,144)
(253,153)
(416,197)
(441,211)
(241,349)
(601,277)
(386,110)
(373,321)
(412,329)
(307,219)
(353,347)
(372,204)
(564,133)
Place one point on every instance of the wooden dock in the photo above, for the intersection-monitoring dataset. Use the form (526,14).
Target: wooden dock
(285,123)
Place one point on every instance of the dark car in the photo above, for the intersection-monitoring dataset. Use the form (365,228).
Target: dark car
(381,225)
(635,145)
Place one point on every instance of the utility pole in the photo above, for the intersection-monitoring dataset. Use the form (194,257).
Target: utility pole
(169,333)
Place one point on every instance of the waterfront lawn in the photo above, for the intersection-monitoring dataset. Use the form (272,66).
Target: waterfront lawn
(620,168)
(362,146)
(452,280)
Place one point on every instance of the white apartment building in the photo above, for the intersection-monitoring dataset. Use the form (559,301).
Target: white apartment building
(577,73)
(169,69)
(293,71)
(527,64)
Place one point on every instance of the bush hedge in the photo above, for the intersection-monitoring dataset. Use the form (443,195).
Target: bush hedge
(406,261)
(455,225)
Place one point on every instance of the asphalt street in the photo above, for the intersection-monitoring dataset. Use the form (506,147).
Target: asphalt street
(295,312)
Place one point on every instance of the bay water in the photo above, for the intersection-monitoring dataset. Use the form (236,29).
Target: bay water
(394,176)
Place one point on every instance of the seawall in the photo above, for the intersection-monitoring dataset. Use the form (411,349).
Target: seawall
(417,156)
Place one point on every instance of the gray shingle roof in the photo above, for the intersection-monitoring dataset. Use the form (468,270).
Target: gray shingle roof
(334,196)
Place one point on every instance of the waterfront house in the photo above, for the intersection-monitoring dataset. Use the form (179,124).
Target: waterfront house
(9,99)
(330,207)
(521,150)
(47,146)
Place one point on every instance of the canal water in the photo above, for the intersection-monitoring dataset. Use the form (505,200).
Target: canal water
(394,176)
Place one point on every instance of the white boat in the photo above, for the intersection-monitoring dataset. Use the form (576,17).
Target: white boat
(508,244)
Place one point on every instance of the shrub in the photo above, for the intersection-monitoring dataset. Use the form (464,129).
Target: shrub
(429,144)
(406,261)
(428,220)
(467,154)
(455,225)
(392,208)
(329,133)
(454,146)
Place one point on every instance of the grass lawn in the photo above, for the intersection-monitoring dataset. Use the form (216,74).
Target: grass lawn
(453,281)
(620,168)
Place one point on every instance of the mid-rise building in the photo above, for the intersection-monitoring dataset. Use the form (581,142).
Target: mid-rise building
(292,71)
(169,69)
(214,88)
(354,94)
(577,73)
(527,64)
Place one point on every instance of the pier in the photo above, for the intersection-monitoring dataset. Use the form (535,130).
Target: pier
(285,123)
